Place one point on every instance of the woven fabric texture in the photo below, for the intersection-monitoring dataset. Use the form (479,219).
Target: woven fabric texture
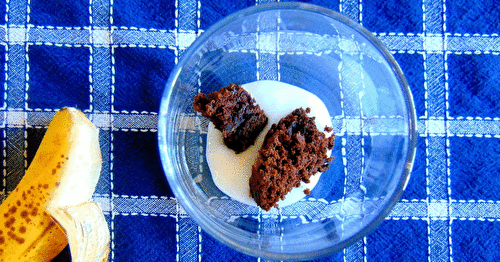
(112,59)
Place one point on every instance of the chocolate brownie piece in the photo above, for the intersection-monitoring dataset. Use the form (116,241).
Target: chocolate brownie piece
(235,113)
(293,151)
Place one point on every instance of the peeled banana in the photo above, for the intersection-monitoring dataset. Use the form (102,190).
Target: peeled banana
(52,205)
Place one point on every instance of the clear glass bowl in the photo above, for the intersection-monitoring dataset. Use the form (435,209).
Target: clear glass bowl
(372,113)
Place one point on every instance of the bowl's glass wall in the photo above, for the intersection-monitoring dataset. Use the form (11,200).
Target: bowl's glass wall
(371,116)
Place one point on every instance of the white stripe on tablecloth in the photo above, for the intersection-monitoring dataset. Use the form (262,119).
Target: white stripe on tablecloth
(110,173)
(436,169)
(17,11)
(267,63)
(435,99)
(16,70)
(187,15)
(474,127)
(351,84)
(448,157)
(101,84)
(259,2)
(140,37)
(16,162)
(104,183)
(436,43)
(143,37)
(432,21)
(480,43)
(435,107)
(188,239)
(188,235)
(100,13)
(67,36)
(15,134)
(356,252)
(415,209)
(350,8)
(352,155)
(147,121)
(101,75)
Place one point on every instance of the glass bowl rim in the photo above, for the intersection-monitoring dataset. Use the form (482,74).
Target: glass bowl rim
(175,183)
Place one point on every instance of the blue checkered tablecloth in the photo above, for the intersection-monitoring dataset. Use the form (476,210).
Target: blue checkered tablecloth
(112,59)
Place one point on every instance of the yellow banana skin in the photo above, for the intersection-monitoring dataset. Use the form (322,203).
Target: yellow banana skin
(27,232)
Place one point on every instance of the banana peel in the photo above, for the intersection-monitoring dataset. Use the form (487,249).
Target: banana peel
(52,206)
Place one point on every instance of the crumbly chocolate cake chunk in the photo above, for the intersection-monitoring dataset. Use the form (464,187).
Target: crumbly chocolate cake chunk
(293,151)
(235,113)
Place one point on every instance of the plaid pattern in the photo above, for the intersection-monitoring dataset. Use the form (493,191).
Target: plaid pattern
(112,59)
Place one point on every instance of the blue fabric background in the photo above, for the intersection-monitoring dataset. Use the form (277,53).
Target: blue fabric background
(48,72)
(112,60)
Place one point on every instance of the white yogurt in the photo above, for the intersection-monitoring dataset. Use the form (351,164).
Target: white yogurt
(230,171)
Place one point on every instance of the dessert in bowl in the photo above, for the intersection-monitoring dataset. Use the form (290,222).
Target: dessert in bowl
(289,56)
